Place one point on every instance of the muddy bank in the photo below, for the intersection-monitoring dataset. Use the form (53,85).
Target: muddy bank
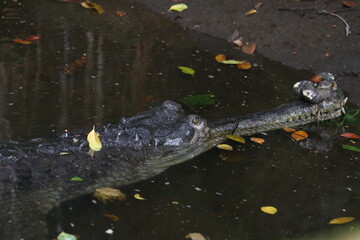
(296,33)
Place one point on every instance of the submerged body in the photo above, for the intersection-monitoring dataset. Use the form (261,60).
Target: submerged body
(35,176)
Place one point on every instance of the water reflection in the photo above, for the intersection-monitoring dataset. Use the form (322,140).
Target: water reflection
(130,64)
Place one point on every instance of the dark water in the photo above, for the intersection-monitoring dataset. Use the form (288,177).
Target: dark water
(131,65)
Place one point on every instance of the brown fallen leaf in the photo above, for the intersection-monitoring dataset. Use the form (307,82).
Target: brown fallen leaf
(350,135)
(75,66)
(286,129)
(250,12)
(258,5)
(220,57)
(299,135)
(244,65)
(112,217)
(195,236)
(120,13)
(249,48)
(109,194)
(349,4)
(257,140)
(316,78)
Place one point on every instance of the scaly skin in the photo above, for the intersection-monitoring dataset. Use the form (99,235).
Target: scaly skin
(34,176)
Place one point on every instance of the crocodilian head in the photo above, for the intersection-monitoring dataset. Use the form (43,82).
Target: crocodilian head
(167,134)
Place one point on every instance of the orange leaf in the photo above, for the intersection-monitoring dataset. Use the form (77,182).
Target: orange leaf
(257,140)
(244,65)
(349,4)
(21,41)
(220,58)
(299,135)
(249,48)
(120,13)
(250,12)
(316,79)
(286,129)
(350,135)
(112,217)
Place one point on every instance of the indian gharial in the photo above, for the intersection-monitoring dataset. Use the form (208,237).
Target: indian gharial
(34,176)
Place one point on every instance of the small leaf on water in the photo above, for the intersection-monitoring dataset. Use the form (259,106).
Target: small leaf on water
(341,220)
(66,236)
(21,41)
(120,13)
(198,100)
(299,135)
(195,236)
(220,58)
(225,147)
(349,4)
(286,129)
(112,217)
(257,140)
(187,70)
(90,5)
(79,179)
(350,135)
(244,65)
(250,12)
(138,197)
(236,138)
(351,148)
(94,141)
(178,7)
(75,66)
(64,153)
(249,48)
(231,62)
(269,209)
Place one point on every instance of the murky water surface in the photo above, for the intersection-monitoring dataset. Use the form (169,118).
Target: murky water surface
(94,69)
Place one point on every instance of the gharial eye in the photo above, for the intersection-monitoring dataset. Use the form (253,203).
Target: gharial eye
(196,120)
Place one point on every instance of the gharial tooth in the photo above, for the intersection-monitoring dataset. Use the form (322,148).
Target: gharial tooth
(345,100)
(343,110)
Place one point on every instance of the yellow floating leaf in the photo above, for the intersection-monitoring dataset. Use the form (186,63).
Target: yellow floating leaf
(269,209)
(138,197)
(286,129)
(90,5)
(94,140)
(341,220)
(257,140)
(225,147)
(299,135)
(220,58)
(112,217)
(244,65)
(236,138)
(195,236)
(178,7)
(250,12)
(231,62)
(187,70)
(86,5)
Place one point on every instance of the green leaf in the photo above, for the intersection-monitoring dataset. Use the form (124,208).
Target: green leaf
(178,7)
(231,62)
(351,148)
(198,100)
(187,70)
(79,179)
(66,236)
